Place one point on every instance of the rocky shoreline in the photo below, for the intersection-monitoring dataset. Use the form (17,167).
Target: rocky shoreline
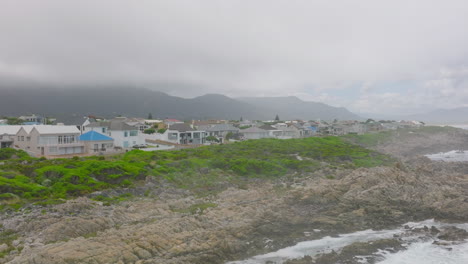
(164,224)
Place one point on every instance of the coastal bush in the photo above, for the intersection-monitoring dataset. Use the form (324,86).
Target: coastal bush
(202,169)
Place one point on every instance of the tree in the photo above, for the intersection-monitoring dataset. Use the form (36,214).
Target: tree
(277,118)
(14,121)
(229,135)
(212,139)
(150,116)
(149,131)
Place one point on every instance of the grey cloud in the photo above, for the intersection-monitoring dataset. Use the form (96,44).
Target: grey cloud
(238,48)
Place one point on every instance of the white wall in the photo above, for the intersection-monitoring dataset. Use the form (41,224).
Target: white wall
(121,141)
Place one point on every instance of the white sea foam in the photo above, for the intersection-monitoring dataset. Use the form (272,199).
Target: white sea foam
(428,253)
(419,252)
(451,156)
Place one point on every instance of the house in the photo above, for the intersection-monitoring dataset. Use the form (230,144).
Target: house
(8,135)
(289,132)
(124,135)
(157,124)
(48,140)
(220,131)
(182,133)
(171,121)
(254,133)
(310,129)
(272,131)
(32,119)
(95,142)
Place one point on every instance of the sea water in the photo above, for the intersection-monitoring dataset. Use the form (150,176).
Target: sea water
(423,252)
(451,156)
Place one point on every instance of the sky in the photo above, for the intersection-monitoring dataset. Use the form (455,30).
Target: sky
(370,56)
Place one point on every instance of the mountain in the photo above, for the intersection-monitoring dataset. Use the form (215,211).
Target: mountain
(71,105)
(292,107)
(442,116)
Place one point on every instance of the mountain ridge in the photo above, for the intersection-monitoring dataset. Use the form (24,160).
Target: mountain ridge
(71,105)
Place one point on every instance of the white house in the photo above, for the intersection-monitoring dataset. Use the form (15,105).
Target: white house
(95,142)
(8,135)
(185,134)
(47,140)
(124,135)
(254,133)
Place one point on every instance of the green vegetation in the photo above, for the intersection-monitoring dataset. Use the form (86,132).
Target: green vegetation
(149,131)
(374,139)
(7,237)
(203,170)
(13,120)
(114,199)
(212,139)
(370,140)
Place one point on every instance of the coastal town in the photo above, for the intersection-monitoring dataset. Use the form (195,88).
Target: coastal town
(42,137)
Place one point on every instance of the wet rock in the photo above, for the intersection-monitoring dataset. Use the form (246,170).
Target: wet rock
(349,254)
(453,233)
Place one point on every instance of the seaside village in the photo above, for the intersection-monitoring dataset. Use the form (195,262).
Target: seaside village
(42,137)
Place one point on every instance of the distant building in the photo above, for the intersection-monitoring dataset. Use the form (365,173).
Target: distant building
(8,135)
(254,133)
(220,131)
(185,134)
(95,142)
(124,135)
(47,140)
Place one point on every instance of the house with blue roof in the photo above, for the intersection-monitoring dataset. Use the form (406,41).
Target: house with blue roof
(95,142)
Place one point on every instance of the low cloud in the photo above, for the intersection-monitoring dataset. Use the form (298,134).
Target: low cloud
(313,49)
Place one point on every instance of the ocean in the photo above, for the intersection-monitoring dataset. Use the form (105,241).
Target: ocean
(421,251)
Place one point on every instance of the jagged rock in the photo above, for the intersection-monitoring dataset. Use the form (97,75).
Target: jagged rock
(453,233)
(3,247)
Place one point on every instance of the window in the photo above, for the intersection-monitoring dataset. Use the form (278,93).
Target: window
(22,138)
(125,134)
(66,139)
(172,136)
(19,138)
(134,142)
(103,130)
(134,133)
(28,139)
(52,149)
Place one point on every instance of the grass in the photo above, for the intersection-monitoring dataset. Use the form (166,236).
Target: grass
(374,139)
(7,237)
(203,170)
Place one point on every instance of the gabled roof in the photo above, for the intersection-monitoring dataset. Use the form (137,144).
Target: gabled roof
(222,127)
(47,129)
(113,125)
(9,130)
(204,127)
(253,130)
(181,127)
(94,136)
(99,124)
(120,126)
(268,127)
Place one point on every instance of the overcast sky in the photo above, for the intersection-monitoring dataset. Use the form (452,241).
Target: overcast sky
(370,56)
